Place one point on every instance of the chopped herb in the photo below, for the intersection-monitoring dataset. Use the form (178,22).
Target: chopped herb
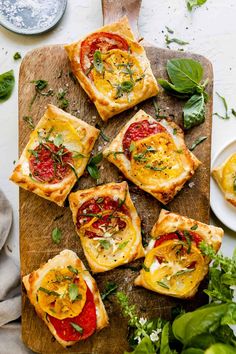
(89,70)
(114,153)
(40,84)
(7,82)
(92,165)
(34,153)
(154,168)
(61,94)
(105,138)
(56,235)
(132,146)
(77,155)
(157,110)
(124,87)
(17,56)
(29,121)
(97,61)
(77,327)
(169,30)
(194,227)
(198,141)
(174,131)
(73,169)
(163,285)
(72,269)
(73,292)
(194,3)
(174,40)
(100,200)
(96,159)
(110,288)
(122,201)
(234,184)
(233,112)
(58,140)
(105,244)
(48,292)
(145,268)
(226,115)
(122,245)
(183,271)
(92,215)
(64,103)
(188,239)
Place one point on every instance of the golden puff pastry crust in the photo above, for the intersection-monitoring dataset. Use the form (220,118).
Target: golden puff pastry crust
(174,264)
(153,155)
(64,259)
(225,176)
(108,225)
(69,141)
(125,77)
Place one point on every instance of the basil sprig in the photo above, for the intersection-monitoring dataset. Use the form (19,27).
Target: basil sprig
(92,167)
(185,82)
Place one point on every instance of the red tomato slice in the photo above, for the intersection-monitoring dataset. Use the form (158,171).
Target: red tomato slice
(138,131)
(103,41)
(87,320)
(45,168)
(94,207)
(179,236)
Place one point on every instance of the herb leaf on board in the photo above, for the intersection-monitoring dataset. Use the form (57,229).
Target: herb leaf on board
(29,121)
(56,235)
(17,56)
(194,3)
(92,165)
(174,40)
(7,82)
(110,288)
(196,142)
(194,111)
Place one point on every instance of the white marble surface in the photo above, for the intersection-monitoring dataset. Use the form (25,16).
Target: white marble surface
(210,30)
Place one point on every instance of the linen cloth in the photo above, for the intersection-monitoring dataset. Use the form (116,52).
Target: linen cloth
(10,298)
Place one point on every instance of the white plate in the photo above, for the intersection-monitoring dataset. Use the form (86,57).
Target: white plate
(224,211)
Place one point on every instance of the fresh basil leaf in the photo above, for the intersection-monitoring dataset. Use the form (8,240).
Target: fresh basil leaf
(169,30)
(97,61)
(56,235)
(73,291)
(165,336)
(174,40)
(194,3)
(96,159)
(64,103)
(72,269)
(104,136)
(175,91)
(93,171)
(220,348)
(105,244)
(7,82)
(197,141)
(127,86)
(58,140)
(77,327)
(40,84)
(185,73)
(194,111)
(144,347)
(109,289)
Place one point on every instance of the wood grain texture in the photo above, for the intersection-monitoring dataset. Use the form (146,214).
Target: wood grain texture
(38,217)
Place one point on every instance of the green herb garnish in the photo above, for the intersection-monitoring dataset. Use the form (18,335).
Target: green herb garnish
(110,288)
(7,82)
(64,103)
(226,115)
(163,284)
(194,3)
(97,61)
(183,271)
(58,141)
(17,56)
(29,121)
(72,269)
(105,244)
(145,268)
(169,30)
(77,327)
(174,40)
(73,292)
(154,168)
(92,165)
(194,227)
(197,141)
(188,239)
(56,235)
(48,292)
(123,245)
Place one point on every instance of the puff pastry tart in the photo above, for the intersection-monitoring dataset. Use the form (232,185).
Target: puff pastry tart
(153,155)
(66,298)
(108,225)
(112,67)
(55,156)
(174,264)
(225,176)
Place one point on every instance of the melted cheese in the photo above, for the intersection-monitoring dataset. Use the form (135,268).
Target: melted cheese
(115,72)
(229,175)
(54,293)
(156,160)
(110,250)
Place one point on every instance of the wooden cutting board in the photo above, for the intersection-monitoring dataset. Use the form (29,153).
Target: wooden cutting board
(38,217)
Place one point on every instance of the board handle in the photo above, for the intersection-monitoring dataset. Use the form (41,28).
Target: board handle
(113,10)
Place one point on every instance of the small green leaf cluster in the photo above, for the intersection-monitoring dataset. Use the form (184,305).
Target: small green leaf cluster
(185,82)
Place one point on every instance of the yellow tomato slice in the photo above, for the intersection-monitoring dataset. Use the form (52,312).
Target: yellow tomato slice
(168,268)
(113,248)
(62,293)
(156,158)
(229,175)
(119,67)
